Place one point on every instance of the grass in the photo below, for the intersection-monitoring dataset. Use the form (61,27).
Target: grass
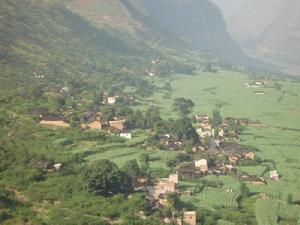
(266,212)
(228,88)
(213,198)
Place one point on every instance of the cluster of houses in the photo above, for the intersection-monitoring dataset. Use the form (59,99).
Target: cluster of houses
(255,84)
(92,121)
(205,129)
(157,195)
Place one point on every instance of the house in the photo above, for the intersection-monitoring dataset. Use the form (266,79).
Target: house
(188,172)
(55,121)
(250,155)
(151,74)
(94,125)
(190,218)
(204,131)
(201,165)
(111,100)
(234,159)
(198,148)
(251,179)
(141,184)
(229,167)
(202,118)
(126,135)
(165,185)
(274,175)
(117,124)
(173,145)
(259,92)
(57,166)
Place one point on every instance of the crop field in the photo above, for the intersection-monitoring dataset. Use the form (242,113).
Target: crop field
(224,222)
(266,212)
(272,212)
(213,198)
(120,156)
(255,170)
(228,89)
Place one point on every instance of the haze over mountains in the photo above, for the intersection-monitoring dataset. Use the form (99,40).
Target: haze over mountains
(193,24)
(269,28)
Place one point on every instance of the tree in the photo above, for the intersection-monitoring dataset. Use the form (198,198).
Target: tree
(244,190)
(133,171)
(104,178)
(183,105)
(290,198)
(183,130)
(152,116)
(216,119)
(108,113)
(145,158)
(208,67)
(174,200)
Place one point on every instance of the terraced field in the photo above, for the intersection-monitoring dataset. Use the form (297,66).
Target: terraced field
(213,198)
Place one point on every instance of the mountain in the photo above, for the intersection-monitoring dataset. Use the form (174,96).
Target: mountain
(269,28)
(193,24)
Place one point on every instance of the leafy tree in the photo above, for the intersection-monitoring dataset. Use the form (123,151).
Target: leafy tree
(145,158)
(183,105)
(152,116)
(290,199)
(133,171)
(104,178)
(174,200)
(183,130)
(244,190)
(216,119)
(108,113)
(36,92)
(208,67)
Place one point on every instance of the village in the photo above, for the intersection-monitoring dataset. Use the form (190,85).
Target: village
(218,153)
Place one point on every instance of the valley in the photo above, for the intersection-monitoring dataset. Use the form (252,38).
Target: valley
(139,113)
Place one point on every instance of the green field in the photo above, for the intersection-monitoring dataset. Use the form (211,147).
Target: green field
(228,88)
(213,198)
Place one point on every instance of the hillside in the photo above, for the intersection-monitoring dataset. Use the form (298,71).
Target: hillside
(46,38)
(174,24)
(268,28)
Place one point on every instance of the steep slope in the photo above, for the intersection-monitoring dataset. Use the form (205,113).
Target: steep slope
(269,28)
(194,24)
(46,38)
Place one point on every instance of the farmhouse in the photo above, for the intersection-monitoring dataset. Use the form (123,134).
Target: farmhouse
(250,155)
(189,217)
(251,179)
(55,121)
(117,124)
(111,100)
(126,135)
(234,158)
(188,172)
(94,125)
(259,92)
(201,165)
(274,175)
(204,131)
(202,118)
(163,186)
